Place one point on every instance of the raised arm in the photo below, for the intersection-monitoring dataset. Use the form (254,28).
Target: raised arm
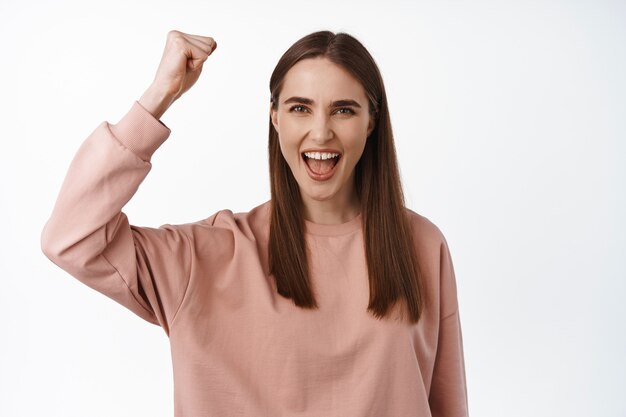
(87,234)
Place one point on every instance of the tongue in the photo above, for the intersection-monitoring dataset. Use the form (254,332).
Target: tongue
(321,167)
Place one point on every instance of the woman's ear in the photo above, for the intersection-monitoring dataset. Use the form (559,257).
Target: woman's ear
(274,117)
(370,126)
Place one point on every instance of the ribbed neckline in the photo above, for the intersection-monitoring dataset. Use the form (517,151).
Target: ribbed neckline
(333,229)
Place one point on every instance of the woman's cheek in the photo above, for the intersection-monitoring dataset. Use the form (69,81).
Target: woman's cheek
(294,127)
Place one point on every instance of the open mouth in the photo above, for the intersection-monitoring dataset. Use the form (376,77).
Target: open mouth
(321,164)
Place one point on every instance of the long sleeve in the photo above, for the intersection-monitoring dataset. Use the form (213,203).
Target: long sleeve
(448,392)
(144,269)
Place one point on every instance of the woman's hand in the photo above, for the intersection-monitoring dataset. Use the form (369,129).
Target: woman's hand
(180,67)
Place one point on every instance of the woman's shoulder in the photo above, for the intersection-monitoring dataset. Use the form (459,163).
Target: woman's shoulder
(424,229)
(250,222)
(227,218)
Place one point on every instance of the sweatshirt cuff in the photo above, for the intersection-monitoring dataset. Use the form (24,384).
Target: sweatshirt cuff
(140,131)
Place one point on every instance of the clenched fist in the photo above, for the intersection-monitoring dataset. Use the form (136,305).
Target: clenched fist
(179,69)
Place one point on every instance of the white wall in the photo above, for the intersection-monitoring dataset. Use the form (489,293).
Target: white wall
(510,122)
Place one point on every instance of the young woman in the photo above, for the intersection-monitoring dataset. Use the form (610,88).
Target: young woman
(330,299)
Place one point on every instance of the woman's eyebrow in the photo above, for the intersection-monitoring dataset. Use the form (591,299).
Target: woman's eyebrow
(337,103)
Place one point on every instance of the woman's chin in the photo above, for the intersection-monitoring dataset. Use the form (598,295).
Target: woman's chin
(318,196)
(323,192)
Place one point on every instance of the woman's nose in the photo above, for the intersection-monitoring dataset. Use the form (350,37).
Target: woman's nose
(321,128)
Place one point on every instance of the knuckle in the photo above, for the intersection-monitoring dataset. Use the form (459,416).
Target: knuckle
(178,41)
(174,35)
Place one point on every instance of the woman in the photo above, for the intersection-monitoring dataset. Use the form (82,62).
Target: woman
(331,299)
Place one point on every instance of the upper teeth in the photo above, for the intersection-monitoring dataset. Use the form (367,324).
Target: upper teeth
(321,155)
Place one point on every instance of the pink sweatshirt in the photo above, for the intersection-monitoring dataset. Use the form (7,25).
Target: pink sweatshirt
(239,348)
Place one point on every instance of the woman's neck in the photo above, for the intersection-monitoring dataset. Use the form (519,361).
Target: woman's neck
(333,211)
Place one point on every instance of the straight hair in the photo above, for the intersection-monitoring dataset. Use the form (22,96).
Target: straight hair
(391,258)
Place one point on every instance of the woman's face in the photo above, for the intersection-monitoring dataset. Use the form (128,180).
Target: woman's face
(322,122)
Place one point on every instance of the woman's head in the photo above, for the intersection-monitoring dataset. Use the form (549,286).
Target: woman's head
(315,72)
(325,67)
(322,120)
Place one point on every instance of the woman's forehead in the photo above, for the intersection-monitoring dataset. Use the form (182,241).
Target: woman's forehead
(321,80)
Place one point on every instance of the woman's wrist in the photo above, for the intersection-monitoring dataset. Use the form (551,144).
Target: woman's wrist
(156,101)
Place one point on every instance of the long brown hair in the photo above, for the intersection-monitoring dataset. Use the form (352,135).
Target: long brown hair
(389,248)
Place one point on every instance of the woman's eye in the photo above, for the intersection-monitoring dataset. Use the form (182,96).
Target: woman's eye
(296,107)
(346,108)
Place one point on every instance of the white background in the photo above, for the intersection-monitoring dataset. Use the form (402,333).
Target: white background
(510,125)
